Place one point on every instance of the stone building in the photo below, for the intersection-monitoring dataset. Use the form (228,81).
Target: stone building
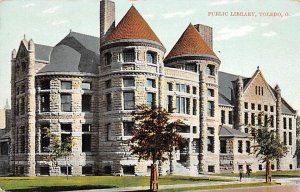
(4,139)
(86,87)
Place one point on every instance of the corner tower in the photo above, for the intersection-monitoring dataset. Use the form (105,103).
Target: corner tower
(130,67)
(193,53)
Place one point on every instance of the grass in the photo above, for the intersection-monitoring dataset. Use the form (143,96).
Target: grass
(261,174)
(59,183)
(223,186)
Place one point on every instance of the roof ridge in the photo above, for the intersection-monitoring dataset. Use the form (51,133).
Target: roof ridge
(43,45)
(233,74)
(84,34)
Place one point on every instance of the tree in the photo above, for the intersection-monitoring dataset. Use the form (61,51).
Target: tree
(58,149)
(268,147)
(153,137)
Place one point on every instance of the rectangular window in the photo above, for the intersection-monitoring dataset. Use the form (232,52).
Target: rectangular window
(129,55)
(252,118)
(86,143)
(65,171)
(259,120)
(191,67)
(108,58)
(182,105)
(151,99)
(248,146)
(4,148)
(194,107)
(246,105)
(266,107)
(151,83)
(194,90)
(45,102)
(66,127)
(222,116)
(128,82)
(109,132)
(45,140)
(86,103)
(271,121)
(211,168)
(230,117)
(194,129)
(210,92)
(246,118)
(188,102)
(169,104)
(210,108)
(290,124)
(108,84)
(284,138)
(210,130)
(86,86)
(86,127)
(272,108)
(87,170)
(290,138)
(223,146)
(259,107)
(210,70)
(177,104)
(129,102)
(65,140)
(44,171)
(108,102)
(252,106)
(240,146)
(45,84)
(210,144)
(183,129)
(22,139)
(266,120)
(284,123)
(169,86)
(151,57)
(65,102)
(181,88)
(128,128)
(66,85)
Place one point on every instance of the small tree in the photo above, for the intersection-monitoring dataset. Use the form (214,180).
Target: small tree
(58,149)
(268,147)
(153,137)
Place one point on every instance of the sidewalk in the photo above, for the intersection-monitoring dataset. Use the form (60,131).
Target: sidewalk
(127,189)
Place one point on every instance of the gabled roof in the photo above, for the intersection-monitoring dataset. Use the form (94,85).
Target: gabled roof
(226,87)
(229,132)
(75,53)
(190,43)
(132,26)
(42,52)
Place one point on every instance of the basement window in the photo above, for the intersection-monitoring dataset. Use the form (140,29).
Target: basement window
(128,170)
(44,171)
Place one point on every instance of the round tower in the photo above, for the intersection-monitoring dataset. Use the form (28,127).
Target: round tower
(129,75)
(193,54)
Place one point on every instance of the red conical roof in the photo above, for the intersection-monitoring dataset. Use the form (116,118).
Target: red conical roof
(190,42)
(133,26)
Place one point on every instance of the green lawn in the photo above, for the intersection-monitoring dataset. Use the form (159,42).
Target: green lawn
(92,182)
(261,174)
(235,185)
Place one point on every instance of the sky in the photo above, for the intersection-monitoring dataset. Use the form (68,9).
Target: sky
(269,39)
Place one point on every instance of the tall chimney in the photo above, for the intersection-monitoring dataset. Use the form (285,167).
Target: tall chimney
(206,33)
(107,18)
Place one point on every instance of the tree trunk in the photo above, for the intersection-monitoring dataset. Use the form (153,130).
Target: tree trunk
(154,177)
(268,172)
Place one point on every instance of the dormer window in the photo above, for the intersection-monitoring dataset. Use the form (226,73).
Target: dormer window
(151,57)
(129,55)
(108,58)
(210,70)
